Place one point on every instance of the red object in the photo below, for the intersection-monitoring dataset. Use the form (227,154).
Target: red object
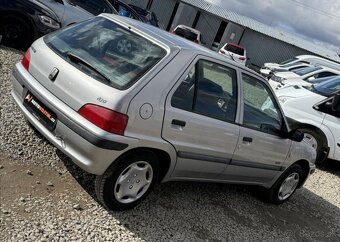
(242,58)
(241,47)
(106,119)
(222,51)
(26,60)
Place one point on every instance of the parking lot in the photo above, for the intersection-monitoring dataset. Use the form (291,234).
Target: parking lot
(45,197)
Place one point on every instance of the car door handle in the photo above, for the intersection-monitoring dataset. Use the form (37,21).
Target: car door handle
(247,139)
(178,122)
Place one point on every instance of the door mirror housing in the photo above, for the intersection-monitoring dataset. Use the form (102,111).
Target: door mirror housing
(296,135)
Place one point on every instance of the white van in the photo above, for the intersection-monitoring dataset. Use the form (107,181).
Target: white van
(317,109)
(308,59)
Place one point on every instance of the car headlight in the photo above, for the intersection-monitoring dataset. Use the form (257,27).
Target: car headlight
(49,22)
(284,99)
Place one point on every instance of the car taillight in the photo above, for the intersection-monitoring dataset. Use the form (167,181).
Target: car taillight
(26,60)
(222,51)
(196,41)
(242,58)
(106,119)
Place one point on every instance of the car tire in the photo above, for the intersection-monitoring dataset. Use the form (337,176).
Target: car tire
(16,32)
(123,46)
(286,185)
(314,139)
(128,181)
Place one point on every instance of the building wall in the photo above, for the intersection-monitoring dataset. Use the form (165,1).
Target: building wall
(163,10)
(232,33)
(139,3)
(185,15)
(208,25)
(262,48)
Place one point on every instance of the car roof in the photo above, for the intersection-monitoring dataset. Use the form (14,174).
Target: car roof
(173,41)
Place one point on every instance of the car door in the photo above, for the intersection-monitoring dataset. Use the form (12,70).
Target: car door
(261,151)
(331,121)
(199,120)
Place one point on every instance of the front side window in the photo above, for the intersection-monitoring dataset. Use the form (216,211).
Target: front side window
(209,89)
(106,51)
(261,111)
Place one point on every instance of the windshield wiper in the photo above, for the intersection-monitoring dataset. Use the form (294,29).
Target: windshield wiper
(76,59)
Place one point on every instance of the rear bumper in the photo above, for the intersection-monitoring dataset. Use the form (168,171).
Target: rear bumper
(92,151)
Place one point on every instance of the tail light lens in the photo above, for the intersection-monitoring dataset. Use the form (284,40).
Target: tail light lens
(222,51)
(106,119)
(26,60)
(242,58)
(196,41)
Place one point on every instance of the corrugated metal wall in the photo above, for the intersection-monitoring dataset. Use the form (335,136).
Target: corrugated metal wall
(163,10)
(139,3)
(208,25)
(185,15)
(262,48)
(232,33)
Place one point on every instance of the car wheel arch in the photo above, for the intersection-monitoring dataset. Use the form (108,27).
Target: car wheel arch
(163,158)
(326,143)
(305,171)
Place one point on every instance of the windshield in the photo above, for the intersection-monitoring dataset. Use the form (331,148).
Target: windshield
(291,64)
(304,71)
(288,61)
(105,51)
(327,88)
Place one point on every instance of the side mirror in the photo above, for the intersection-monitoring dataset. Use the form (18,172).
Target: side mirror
(336,101)
(296,135)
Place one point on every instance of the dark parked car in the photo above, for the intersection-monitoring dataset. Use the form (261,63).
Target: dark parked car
(22,21)
(108,6)
(148,16)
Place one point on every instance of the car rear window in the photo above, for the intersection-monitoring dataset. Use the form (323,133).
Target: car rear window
(186,33)
(106,51)
(234,49)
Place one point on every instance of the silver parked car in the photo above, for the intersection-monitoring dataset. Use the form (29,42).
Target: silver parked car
(164,109)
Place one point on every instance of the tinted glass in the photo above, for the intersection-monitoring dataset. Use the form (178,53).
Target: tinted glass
(307,70)
(324,74)
(106,51)
(186,34)
(328,87)
(260,108)
(215,89)
(234,49)
(287,61)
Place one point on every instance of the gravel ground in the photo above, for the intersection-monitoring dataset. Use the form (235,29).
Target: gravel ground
(44,197)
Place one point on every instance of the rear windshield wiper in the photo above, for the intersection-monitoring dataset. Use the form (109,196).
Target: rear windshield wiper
(76,59)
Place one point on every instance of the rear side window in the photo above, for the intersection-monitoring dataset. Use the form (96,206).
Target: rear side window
(209,89)
(234,49)
(106,51)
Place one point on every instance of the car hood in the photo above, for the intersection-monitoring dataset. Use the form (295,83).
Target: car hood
(294,91)
(67,12)
(298,82)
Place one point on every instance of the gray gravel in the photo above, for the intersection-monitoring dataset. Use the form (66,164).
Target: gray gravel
(57,201)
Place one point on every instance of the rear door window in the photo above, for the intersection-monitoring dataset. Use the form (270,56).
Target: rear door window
(106,51)
(209,89)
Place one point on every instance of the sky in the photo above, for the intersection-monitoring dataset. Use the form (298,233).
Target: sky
(314,20)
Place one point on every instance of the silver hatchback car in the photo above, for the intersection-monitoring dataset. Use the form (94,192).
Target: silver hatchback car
(135,105)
